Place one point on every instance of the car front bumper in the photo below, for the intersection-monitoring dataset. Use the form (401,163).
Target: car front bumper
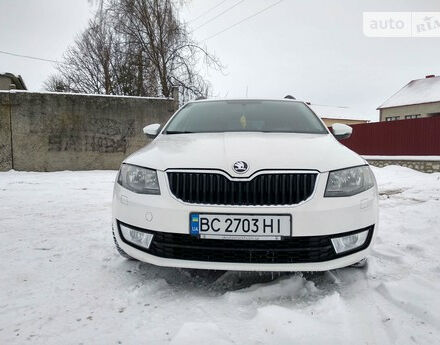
(315,217)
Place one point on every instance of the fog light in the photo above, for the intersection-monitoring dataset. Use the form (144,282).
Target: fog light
(350,242)
(139,238)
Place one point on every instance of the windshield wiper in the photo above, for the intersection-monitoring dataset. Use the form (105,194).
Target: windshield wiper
(178,132)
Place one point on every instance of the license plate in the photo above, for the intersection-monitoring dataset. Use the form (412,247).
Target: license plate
(240,226)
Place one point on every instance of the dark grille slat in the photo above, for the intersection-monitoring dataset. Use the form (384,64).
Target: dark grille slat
(261,195)
(197,188)
(297,187)
(312,183)
(264,189)
(283,189)
(232,194)
(254,191)
(246,193)
(177,185)
(172,182)
(218,194)
(305,187)
(269,189)
(184,186)
(190,177)
(203,188)
(290,187)
(238,189)
(225,194)
(210,189)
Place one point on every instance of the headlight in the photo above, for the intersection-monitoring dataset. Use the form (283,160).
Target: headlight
(349,181)
(138,180)
(350,242)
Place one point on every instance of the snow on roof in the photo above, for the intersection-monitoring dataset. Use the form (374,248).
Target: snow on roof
(337,112)
(426,90)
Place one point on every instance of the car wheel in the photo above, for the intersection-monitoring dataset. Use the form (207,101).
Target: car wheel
(119,249)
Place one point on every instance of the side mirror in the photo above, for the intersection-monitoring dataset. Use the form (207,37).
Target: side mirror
(152,131)
(341,131)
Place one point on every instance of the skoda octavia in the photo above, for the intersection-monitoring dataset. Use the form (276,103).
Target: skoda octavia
(249,185)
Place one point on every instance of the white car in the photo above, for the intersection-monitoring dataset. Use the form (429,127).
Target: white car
(249,185)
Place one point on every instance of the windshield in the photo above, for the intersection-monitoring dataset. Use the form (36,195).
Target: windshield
(245,116)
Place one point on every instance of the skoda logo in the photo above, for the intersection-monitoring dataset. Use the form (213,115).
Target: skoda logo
(241,167)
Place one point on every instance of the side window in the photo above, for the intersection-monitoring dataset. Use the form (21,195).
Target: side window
(407,117)
(392,118)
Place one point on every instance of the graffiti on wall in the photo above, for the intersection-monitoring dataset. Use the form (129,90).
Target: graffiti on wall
(98,135)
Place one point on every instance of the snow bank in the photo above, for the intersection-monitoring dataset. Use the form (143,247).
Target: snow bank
(62,281)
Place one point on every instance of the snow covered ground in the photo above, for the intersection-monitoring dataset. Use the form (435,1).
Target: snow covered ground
(62,282)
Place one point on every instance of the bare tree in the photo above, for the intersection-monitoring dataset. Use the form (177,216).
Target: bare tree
(57,84)
(136,47)
(174,56)
(89,64)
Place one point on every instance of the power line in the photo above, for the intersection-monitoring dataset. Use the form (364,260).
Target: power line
(243,20)
(207,11)
(204,40)
(218,15)
(28,57)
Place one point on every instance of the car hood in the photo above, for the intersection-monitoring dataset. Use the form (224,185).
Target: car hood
(320,152)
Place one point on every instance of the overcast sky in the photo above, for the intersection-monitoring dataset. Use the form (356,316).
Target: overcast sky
(314,49)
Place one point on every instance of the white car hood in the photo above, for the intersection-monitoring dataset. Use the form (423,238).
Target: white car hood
(320,152)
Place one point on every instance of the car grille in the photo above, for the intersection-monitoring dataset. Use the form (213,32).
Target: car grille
(289,250)
(265,189)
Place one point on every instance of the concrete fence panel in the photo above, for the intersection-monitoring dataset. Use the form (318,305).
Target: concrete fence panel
(53,131)
(5,133)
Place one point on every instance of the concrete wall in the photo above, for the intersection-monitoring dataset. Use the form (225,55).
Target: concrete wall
(424,166)
(5,133)
(423,109)
(52,131)
(5,83)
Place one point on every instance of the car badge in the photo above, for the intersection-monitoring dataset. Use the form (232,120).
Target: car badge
(240,167)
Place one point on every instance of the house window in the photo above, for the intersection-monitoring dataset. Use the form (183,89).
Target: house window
(433,114)
(392,118)
(408,117)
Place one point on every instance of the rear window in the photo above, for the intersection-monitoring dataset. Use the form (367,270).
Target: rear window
(246,116)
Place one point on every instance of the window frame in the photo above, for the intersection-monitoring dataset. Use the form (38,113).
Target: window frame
(412,116)
(392,118)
